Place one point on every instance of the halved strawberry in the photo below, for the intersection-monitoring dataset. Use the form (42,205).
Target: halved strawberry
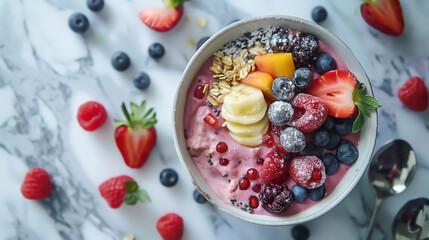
(162,19)
(384,15)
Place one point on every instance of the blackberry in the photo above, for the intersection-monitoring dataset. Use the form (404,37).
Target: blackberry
(275,198)
(306,52)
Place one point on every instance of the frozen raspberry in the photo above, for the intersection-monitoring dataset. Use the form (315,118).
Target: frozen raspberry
(307,171)
(315,113)
(274,169)
(292,140)
(275,198)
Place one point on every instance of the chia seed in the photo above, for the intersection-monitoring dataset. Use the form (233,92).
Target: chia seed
(188,148)
(215,132)
(209,105)
(225,175)
(229,180)
(210,155)
(239,161)
(233,200)
(199,80)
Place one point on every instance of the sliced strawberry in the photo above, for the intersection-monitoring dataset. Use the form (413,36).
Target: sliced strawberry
(162,19)
(414,94)
(384,15)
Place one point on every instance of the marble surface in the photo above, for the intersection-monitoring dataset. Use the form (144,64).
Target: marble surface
(47,71)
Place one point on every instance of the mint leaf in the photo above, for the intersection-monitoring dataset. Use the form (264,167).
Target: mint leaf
(143,196)
(363,109)
(131,186)
(357,125)
(130,198)
(370,102)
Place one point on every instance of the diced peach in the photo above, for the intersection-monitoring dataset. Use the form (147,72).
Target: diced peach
(262,81)
(276,64)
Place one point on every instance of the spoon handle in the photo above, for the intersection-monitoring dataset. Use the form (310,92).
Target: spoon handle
(378,202)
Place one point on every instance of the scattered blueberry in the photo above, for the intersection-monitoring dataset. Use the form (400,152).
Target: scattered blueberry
(344,126)
(288,157)
(201,42)
(325,63)
(199,198)
(311,149)
(347,153)
(300,232)
(306,52)
(275,198)
(302,77)
(334,140)
(316,194)
(319,14)
(120,61)
(169,177)
(299,193)
(95,5)
(156,51)
(141,80)
(78,22)
(283,89)
(329,123)
(320,137)
(280,113)
(279,42)
(330,162)
(292,140)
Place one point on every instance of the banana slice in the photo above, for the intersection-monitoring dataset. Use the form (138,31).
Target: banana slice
(250,141)
(255,129)
(243,119)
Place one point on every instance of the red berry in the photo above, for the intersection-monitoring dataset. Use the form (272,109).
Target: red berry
(281,149)
(259,161)
(162,19)
(276,198)
(252,173)
(315,113)
(307,171)
(113,190)
(211,120)
(256,188)
(274,169)
(199,92)
(91,115)
(243,183)
(223,161)
(170,226)
(414,94)
(37,184)
(268,140)
(221,147)
(253,202)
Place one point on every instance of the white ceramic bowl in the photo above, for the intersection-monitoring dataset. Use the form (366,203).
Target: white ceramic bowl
(231,32)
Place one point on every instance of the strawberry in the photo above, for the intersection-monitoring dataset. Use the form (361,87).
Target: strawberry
(91,115)
(342,93)
(414,94)
(37,184)
(170,226)
(136,136)
(384,15)
(117,190)
(274,169)
(163,19)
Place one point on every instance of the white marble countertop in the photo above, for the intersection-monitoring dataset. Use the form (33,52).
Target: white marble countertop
(47,71)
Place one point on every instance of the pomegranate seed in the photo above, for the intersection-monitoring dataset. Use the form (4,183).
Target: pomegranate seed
(253,202)
(244,183)
(252,173)
(199,92)
(221,147)
(317,176)
(281,149)
(211,120)
(268,140)
(256,188)
(259,161)
(223,161)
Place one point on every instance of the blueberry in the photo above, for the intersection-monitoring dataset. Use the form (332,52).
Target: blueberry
(344,126)
(280,113)
(347,153)
(320,137)
(299,193)
(283,89)
(300,232)
(95,5)
(141,80)
(302,78)
(287,158)
(156,51)
(120,61)
(329,123)
(292,140)
(330,162)
(199,198)
(78,23)
(319,14)
(316,194)
(311,149)
(169,177)
(325,63)
(201,42)
(334,140)
(279,42)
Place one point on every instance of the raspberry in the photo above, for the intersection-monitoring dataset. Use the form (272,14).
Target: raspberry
(113,190)
(37,184)
(315,113)
(274,169)
(414,94)
(275,198)
(170,226)
(307,171)
(91,115)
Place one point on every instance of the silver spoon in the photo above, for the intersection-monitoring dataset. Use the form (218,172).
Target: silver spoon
(412,221)
(391,170)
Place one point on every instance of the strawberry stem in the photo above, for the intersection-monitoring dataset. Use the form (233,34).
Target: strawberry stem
(174,3)
(138,118)
(135,194)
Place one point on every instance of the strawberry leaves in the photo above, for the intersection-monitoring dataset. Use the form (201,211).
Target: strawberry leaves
(174,3)
(135,194)
(364,103)
(138,118)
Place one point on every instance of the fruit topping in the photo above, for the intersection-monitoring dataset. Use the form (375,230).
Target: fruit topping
(198,197)
(280,113)
(95,5)
(156,51)
(325,63)
(120,61)
(279,42)
(170,226)
(221,147)
(163,19)
(320,137)
(268,140)
(280,149)
(384,15)
(283,88)
(243,183)
(319,14)
(315,113)
(91,115)
(347,153)
(223,162)
(306,52)
(275,198)
(201,42)
(262,81)
(256,188)
(299,193)
(199,92)
(260,161)
(330,162)
(37,184)
(300,232)
(329,123)
(307,171)
(311,149)
(117,190)
(253,202)
(211,120)
(414,94)
(252,173)
(275,64)
(334,140)
(141,80)
(168,177)
(274,169)
(78,23)
(344,126)
(292,140)
(136,136)
(316,194)
(302,78)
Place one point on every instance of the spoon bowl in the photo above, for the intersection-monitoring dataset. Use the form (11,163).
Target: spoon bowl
(412,221)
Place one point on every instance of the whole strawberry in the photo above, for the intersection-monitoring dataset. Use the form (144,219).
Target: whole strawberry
(414,94)
(118,190)
(136,136)
(162,19)
(384,15)
(37,184)
(170,226)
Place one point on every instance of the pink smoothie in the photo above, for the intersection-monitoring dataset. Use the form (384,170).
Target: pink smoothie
(223,180)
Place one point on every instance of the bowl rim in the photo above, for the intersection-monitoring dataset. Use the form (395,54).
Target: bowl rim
(179,89)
